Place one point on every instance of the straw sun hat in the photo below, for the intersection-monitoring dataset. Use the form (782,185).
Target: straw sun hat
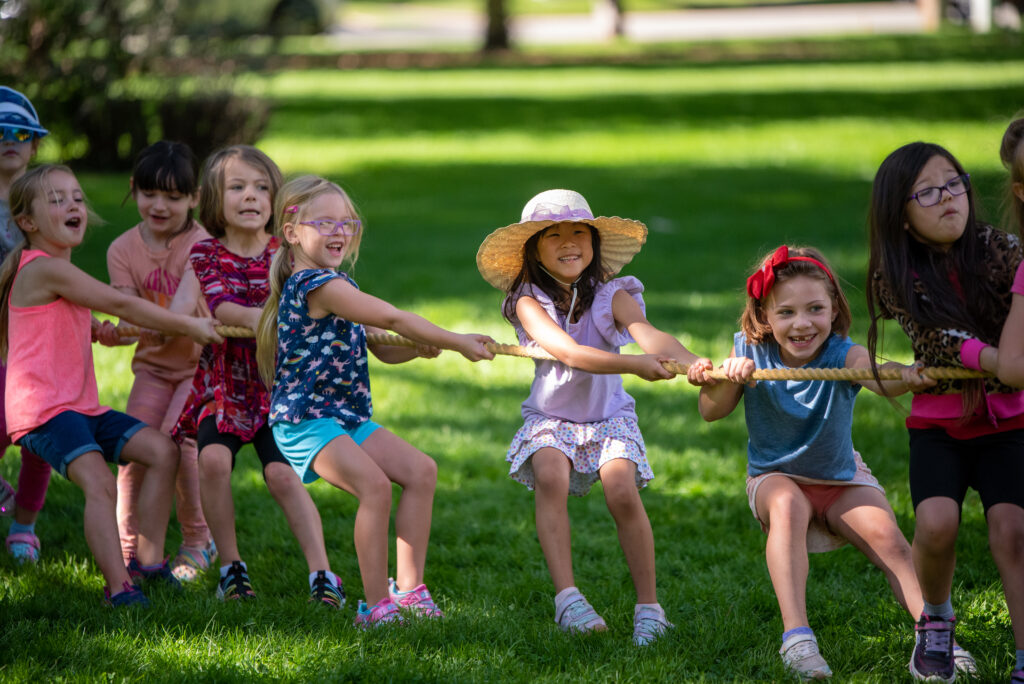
(500,257)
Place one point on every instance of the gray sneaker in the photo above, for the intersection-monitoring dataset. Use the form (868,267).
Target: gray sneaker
(800,654)
(648,625)
(579,616)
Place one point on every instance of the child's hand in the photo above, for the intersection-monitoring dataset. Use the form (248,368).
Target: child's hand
(106,334)
(739,369)
(204,330)
(913,378)
(649,367)
(699,373)
(472,346)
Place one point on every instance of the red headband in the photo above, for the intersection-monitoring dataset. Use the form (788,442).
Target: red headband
(761,282)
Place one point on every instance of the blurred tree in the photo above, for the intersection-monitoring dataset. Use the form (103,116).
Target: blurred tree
(97,72)
(496,35)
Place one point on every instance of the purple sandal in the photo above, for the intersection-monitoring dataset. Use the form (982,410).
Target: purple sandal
(6,498)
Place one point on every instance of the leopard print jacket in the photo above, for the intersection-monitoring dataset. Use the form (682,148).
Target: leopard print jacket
(941,346)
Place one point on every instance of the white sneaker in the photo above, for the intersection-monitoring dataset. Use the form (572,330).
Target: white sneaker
(800,654)
(577,615)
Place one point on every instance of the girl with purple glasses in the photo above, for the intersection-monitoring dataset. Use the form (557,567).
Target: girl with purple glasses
(556,267)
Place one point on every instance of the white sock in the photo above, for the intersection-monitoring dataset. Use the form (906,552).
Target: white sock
(224,569)
(331,577)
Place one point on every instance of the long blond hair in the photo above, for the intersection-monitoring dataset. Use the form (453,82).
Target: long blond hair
(24,192)
(290,206)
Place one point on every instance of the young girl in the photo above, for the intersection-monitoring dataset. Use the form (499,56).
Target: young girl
(313,332)
(52,401)
(556,267)
(946,278)
(1011,342)
(148,261)
(20,133)
(806,484)
(228,404)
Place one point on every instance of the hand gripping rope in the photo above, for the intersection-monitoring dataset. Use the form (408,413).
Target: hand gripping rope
(854,374)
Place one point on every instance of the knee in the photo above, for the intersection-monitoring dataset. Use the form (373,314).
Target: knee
(936,534)
(622,498)
(214,466)
(281,480)
(100,486)
(375,493)
(424,474)
(789,505)
(1006,531)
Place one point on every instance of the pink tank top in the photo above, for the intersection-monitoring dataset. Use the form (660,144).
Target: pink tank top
(49,362)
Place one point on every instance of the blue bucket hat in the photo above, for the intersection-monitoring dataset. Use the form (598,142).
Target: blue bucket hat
(17,112)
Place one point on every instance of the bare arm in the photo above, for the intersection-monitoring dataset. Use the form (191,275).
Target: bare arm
(341,298)
(393,353)
(719,398)
(630,316)
(1010,357)
(186,297)
(912,381)
(45,279)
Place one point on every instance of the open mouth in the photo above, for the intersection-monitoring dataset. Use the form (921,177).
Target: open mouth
(569,258)
(801,340)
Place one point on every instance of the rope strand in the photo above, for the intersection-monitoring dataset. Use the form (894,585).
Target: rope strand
(850,374)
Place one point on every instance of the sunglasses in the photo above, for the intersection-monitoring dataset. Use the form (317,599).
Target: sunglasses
(9,134)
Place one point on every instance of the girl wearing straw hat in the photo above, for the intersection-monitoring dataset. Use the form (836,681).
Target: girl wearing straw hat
(556,267)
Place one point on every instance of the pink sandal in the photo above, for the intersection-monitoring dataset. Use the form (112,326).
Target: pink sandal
(24,546)
(6,498)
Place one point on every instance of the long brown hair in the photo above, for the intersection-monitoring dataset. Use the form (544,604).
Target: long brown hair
(24,191)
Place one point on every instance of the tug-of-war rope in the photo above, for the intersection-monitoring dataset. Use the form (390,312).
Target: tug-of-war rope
(853,374)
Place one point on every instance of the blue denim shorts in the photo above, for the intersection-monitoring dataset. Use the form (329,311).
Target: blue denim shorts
(69,434)
(301,442)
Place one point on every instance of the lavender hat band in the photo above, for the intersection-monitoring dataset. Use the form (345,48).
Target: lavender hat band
(545,211)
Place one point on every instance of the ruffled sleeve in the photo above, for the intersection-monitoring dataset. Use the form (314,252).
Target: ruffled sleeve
(528,290)
(604,318)
(309,280)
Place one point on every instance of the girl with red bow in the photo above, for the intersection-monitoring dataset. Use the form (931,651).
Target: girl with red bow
(806,484)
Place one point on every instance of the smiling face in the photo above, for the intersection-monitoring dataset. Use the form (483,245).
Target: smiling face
(942,224)
(247,197)
(314,250)
(800,314)
(565,250)
(163,212)
(59,217)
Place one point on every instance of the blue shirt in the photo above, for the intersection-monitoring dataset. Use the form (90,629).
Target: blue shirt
(799,427)
(321,362)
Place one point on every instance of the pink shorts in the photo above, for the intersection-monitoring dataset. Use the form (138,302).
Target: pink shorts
(821,494)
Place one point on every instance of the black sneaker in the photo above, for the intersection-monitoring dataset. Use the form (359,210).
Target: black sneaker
(161,574)
(236,584)
(933,652)
(326,592)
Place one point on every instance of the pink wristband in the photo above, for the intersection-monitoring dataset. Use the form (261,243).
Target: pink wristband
(970,353)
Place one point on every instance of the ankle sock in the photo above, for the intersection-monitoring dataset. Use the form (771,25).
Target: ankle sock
(652,606)
(331,577)
(1020,659)
(940,610)
(562,598)
(18,528)
(224,569)
(795,631)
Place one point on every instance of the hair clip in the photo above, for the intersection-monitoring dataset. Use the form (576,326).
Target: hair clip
(294,209)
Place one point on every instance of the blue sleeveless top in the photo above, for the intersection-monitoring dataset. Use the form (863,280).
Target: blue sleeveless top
(321,362)
(799,427)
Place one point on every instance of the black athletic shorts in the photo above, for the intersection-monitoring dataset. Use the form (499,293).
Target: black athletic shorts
(262,441)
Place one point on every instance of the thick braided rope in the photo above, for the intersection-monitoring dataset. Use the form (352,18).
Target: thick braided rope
(852,374)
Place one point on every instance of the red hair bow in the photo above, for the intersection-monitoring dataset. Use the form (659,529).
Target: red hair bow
(760,283)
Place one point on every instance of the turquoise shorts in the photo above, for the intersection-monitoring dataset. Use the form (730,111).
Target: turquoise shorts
(301,442)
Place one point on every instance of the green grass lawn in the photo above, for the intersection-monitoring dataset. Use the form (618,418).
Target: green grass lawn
(722,162)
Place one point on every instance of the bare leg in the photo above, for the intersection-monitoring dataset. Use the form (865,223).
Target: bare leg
(1006,539)
(864,517)
(348,467)
(416,474)
(618,477)
(159,455)
(300,511)
(218,505)
(934,547)
(784,508)
(551,473)
(90,472)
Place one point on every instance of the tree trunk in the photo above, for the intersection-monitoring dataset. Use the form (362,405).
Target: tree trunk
(609,15)
(496,37)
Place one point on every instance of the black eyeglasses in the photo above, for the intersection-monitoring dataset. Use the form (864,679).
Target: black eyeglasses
(929,197)
(327,227)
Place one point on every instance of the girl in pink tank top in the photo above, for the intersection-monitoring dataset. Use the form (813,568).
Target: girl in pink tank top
(52,401)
